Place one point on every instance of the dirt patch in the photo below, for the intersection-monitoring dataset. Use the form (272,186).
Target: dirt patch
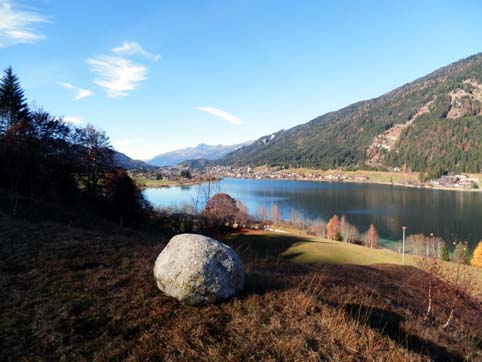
(386,141)
(467,101)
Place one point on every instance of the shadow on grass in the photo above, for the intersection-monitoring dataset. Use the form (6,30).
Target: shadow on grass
(263,245)
(261,283)
(265,267)
(389,323)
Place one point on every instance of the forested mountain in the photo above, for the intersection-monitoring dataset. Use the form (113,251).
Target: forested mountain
(432,123)
(124,161)
(202,150)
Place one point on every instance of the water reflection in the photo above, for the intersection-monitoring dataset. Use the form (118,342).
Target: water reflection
(449,214)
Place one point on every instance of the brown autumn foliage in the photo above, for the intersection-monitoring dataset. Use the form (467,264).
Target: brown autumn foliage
(372,237)
(221,208)
(333,227)
(82,295)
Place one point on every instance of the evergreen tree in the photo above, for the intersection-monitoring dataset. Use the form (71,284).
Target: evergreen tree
(444,253)
(13,105)
(468,255)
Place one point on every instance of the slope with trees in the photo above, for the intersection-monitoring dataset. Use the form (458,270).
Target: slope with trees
(446,103)
(44,160)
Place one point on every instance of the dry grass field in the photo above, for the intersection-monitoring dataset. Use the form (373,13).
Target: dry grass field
(71,294)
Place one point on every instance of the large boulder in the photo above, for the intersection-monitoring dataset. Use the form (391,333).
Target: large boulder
(196,269)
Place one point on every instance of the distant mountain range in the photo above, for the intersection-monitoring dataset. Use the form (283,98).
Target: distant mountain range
(197,164)
(124,161)
(201,151)
(431,124)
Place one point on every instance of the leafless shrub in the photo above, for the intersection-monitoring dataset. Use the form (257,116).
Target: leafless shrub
(458,283)
(427,246)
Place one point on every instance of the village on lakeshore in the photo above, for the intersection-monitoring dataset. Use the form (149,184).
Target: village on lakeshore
(180,175)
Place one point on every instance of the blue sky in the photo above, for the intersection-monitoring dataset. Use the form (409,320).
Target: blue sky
(160,75)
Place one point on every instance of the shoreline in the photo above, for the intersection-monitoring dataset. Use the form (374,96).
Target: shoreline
(144,187)
(169,184)
(372,182)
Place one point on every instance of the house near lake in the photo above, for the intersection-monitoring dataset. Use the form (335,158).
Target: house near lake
(458,181)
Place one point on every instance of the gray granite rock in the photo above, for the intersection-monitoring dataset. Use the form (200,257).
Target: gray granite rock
(196,269)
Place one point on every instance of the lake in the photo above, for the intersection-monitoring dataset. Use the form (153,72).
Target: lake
(452,215)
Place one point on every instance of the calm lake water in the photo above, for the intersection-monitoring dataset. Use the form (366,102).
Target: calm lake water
(450,214)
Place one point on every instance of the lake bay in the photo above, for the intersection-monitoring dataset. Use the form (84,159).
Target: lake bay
(452,215)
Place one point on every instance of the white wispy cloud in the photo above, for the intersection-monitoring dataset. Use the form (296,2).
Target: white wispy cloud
(134,48)
(117,75)
(221,114)
(18,26)
(75,120)
(79,92)
(66,85)
(82,93)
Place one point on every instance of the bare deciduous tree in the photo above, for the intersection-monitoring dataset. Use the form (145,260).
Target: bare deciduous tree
(262,213)
(275,214)
(428,246)
(350,233)
(96,158)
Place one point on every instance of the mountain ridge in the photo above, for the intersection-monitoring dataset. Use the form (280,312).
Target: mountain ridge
(124,161)
(343,138)
(201,151)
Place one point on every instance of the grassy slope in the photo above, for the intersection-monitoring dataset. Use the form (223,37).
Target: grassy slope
(383,177)
(315,250)
(145,183)
(331,252)
(84,295)
(375,176)
(142,182)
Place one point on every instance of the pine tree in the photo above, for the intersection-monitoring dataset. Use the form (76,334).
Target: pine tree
(477,258)
(444,253)
(13,105)
(468,255)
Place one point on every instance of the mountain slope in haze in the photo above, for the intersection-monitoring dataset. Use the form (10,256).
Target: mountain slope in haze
(196,164)
(124,161)
(202,150)
(434,122)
